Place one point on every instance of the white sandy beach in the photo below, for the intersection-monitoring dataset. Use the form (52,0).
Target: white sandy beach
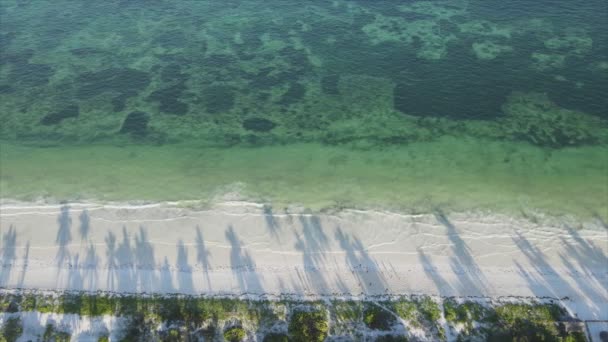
(239,248)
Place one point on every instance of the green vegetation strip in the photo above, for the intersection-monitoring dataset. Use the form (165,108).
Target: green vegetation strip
(236,320)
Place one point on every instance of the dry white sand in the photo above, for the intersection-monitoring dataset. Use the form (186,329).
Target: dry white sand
(240,248)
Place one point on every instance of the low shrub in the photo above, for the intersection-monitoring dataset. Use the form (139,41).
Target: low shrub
(465,312)
(378,319)
(235,334)
(308,326)
(407,310)
(429,309)
(523,322)
(173,335)
(51,334)
(12,329)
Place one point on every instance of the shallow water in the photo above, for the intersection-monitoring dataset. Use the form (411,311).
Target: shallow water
(409,104)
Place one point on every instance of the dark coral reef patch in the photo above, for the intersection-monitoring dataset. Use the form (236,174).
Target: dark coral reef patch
(218,99)
(168,99)
(26,74)
(6,89)
(329,84)
(294,94)
(136,124)
(119,103)
(114,80)
(258,124)
(173,73)
(54,118)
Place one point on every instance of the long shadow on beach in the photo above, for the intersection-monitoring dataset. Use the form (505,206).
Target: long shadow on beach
(544,280)
(9,254)
(132,265)
(166,279)
(463,263)
(586,264)
(110,241)
(313,244)
(585,253)
(85,224)
(363,266)
(584,256)
(75,279)
(90,267)
(443,286)
(145,261)
(26,257)
(271,223)
(184,278)
(243,266)
(203,255)
(78,271)
(125,259)
(64,237)
(601,220)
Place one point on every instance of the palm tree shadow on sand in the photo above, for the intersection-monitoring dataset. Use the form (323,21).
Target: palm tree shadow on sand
(203,255)
(242,264)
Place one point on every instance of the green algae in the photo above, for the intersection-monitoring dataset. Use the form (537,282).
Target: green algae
(535,118)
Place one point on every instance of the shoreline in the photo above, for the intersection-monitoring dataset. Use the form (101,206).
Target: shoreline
(454,174)
(237,200)
(244,248)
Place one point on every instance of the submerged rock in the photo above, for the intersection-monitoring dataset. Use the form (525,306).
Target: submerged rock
(113,80)
(267,78)
(173,73)
(136,124)
(294,94)
(251,37)
(174,107)
(296,58)
(329,84)
(56,117)
(218,99)
(168,99)
(456,96)
(30,75)
(258,124)
(119,103)
(6,89)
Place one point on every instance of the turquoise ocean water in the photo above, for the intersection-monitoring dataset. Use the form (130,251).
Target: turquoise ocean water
(408,104)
